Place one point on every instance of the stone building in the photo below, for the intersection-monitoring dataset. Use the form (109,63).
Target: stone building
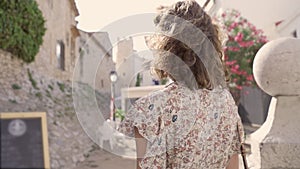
(60,49)
(129,63)
(95,60)
(45,84)
(62,44)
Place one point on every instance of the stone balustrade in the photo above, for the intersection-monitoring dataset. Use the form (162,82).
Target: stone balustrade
(277,71)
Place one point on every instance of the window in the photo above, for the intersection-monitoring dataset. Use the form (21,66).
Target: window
(73,45)
(102,83)
(60,54)
(50,2)
(295,34)
(81,54)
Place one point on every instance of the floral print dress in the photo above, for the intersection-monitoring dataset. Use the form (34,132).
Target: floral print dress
(186,129)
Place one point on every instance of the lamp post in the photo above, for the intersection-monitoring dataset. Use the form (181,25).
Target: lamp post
(113,78)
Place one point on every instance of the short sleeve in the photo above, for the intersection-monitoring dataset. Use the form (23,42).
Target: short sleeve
(144,115)
(237,130)
(237,139)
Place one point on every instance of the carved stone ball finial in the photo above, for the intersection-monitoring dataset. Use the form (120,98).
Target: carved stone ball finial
(276,67)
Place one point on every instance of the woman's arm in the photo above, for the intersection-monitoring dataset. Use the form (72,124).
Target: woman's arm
(233,162)
(141,144)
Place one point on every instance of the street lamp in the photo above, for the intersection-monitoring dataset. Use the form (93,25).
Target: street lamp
(113,78)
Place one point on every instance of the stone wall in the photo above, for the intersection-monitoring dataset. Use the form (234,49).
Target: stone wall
(21,91)
(42,86)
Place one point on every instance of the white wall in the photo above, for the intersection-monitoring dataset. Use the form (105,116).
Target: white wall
(263,13)
(95,64)
(129,62)
(287,27)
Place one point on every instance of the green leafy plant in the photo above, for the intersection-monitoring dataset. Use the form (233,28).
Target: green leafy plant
(22,28)
(61,86)
(13,101)
(50,87)
(33,82)
(244,40)
(48,94)
(139,80)
(164,81)
(39,95)
(16,86)
(120,114)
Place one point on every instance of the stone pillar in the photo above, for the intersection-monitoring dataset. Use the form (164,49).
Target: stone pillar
(277,71)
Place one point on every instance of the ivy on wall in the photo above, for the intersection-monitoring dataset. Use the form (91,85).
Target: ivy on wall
(22,28)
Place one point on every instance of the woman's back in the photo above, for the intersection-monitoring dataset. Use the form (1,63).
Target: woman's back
(185,128)
(192,123)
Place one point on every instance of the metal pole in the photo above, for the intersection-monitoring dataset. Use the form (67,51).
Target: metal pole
(112,103)
(113,79)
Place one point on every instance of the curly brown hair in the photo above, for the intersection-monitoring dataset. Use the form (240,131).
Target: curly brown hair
(191,11)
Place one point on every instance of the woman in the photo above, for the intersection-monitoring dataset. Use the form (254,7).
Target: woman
(193,122)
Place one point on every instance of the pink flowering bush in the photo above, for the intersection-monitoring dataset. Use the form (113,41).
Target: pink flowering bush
(243,42)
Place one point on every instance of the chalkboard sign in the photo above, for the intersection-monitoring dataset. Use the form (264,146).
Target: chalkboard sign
(24,141)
